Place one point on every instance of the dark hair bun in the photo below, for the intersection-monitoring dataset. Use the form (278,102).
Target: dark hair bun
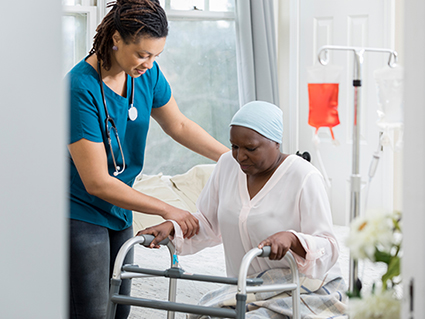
(141,2)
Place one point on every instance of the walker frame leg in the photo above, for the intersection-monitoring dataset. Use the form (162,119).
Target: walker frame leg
(113,290)
(240,306)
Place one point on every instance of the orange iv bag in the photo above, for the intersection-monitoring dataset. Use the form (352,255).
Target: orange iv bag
(323,105)
(323,89)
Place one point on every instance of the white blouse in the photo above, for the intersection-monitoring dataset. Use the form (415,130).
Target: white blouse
(293,199)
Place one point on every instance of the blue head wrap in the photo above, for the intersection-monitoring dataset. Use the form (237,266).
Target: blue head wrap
(263,117)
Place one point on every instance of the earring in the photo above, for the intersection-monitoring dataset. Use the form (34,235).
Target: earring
(115,48)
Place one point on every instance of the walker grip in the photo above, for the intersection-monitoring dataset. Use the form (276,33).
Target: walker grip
(266,251)
(150,238)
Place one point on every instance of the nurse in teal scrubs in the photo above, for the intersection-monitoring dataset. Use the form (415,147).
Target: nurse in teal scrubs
(113,93)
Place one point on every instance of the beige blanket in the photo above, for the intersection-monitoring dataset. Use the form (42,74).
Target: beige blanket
(181,191)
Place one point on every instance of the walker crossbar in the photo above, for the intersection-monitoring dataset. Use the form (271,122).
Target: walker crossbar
(174,306)
(267,288)
(130,271)
(180,274)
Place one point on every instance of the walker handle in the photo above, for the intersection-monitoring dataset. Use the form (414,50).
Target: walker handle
(150,238)
(266,251)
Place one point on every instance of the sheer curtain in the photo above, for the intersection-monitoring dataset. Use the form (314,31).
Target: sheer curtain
(256,51)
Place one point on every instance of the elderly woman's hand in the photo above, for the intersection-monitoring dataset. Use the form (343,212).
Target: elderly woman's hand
(280,243)
(160,232)
(188,223)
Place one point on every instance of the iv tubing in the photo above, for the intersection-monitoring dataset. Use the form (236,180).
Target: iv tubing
(316,142)
(372,168)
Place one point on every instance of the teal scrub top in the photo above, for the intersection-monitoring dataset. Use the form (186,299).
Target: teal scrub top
(87,120)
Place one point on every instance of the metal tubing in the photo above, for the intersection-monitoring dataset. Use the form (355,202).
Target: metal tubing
(113,290)
(392,61)
(134,271)
(172,286)
(240,306)
(243,271)
(172,294)
(173,306)
(132,275)
(144,240)
(355,177)
(265,252)
(125,248)
(266,288)
(296,314)
(137,270)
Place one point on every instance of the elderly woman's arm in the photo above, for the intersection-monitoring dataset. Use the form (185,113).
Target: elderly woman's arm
(316,235)
(313,244)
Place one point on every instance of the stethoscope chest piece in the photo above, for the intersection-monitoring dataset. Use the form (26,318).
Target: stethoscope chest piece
(132,113)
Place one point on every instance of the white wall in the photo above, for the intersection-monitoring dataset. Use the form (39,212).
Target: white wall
(32,161)
(413,263)
(287,83)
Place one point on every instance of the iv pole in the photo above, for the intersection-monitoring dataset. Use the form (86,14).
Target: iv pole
(355,180)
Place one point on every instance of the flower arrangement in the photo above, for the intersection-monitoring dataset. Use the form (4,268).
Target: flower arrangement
(377,237)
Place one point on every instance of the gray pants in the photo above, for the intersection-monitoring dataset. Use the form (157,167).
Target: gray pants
(92,254)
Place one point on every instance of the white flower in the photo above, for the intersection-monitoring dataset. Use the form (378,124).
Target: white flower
(375,229)
(379,306)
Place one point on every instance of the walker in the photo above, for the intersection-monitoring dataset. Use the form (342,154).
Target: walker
(244,285)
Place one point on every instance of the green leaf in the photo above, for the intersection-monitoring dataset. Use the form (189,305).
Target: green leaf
(396,225)
(392,271)
(382,256)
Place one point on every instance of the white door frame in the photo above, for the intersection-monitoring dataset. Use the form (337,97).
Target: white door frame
(288,74)
(413,261)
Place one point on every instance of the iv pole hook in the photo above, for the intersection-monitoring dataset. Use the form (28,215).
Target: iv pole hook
(324,50)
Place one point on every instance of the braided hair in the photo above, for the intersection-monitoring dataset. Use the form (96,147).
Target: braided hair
(133,19)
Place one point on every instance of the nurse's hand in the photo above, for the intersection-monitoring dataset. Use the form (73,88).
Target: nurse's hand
(280,243)
(160,232)
(187,222)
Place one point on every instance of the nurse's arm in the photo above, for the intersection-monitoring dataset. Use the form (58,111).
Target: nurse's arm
(187,132)
(91,162)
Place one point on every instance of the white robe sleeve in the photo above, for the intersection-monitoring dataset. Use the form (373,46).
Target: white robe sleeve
(209,232)
(316,235)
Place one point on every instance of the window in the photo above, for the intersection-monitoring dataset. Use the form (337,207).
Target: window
(199,61)
(79,23)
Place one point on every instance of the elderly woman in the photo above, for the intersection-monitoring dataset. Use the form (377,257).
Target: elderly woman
(258,196)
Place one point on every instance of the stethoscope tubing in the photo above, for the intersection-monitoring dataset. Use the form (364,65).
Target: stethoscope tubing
(109,119)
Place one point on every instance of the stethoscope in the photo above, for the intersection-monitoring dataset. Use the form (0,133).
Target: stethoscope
(110,124)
